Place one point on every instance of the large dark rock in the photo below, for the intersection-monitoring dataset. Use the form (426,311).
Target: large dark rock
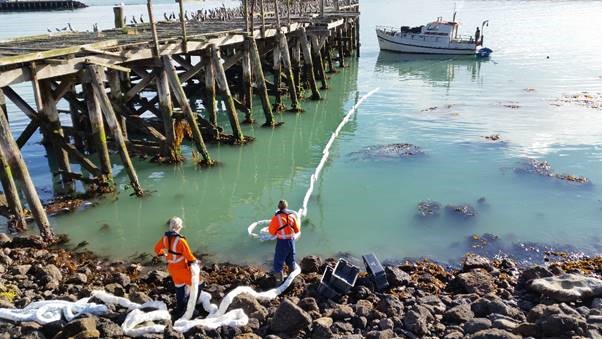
(542,310)
(567,287)
(289,318)
(433,303)
(390,306)
(321,328)
(385,334)
(482,307)
(476,324)
(531,273)
(108,329)
(309,305)
(417,319)
(84,327)
(311,264)
(458,314)
(34,241)
(46,273)
(4,240)
(251,306)
(77,279)
(139,297)
(472,261)
(561,325)
(477,281)
(170,333)
(494,333)
(342,312)
(120,278)
(397,277)
(363,308)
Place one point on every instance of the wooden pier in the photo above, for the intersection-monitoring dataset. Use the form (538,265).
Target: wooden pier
(128,88)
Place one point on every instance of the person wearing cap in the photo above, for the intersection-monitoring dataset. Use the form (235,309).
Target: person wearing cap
(179,257)
(285,227)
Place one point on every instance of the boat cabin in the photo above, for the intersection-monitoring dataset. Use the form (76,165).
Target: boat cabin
(441,28)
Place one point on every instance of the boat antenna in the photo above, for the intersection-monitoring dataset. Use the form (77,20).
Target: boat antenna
(454,16)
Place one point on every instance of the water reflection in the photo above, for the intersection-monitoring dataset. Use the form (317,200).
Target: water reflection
(439,69)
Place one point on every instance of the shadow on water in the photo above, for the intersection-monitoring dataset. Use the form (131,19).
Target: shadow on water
(441,69)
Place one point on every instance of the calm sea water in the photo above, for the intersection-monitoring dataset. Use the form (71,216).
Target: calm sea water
(542,51)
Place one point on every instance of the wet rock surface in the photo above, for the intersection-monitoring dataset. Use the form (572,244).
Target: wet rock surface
(483,298)
(390,151)
(588,99)
(543,168)
(463,210)
(428,208)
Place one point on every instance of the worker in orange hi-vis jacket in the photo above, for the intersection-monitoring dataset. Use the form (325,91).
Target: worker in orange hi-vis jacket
(284,226)
(179,257)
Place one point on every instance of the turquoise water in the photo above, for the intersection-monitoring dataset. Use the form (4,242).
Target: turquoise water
(542,51)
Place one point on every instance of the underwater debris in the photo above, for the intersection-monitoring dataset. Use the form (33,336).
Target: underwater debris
(543,168)
(586,99)
(464,210)
(390,151)
(437,108)
(428,208)
(493,137)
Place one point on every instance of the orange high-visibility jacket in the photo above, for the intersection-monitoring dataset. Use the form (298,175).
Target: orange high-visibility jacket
(284,224)
(175,248)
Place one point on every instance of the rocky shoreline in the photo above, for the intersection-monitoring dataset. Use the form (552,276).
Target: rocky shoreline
(483,299)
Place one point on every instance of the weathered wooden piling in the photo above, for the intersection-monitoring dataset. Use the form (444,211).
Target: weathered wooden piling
(260,81)
(97,77)
(118,15)
(247,88)
(169,148)
(176,86)
(14,159)
(18,222)
(318,61)
(309,65)
(98,135)
(288,68)
(222,84)
(340,47)
(277,71)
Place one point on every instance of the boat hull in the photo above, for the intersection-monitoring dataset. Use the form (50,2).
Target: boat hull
(393,43)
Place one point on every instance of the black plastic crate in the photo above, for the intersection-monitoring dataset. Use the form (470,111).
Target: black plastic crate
(324,289)
(376,271)
(344,276)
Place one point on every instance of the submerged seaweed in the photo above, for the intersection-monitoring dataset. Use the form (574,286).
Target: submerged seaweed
(428,208)
(390,151)
(543,168)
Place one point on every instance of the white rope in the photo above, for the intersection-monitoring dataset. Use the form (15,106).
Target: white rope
(138,322)
(263,234)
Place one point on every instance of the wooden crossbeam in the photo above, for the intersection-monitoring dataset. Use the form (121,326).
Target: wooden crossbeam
(40,55)
(145,81)
(27,133)
(63,88)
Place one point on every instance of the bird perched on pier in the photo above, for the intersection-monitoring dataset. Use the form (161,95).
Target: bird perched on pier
(134,20)
(70,28)
(165,16)
(186,15)
(49,30)
(141,21)
(172,16)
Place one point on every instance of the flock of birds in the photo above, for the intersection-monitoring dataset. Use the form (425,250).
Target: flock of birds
(217,14)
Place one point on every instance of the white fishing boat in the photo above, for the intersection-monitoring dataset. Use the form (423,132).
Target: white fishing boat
(437,37)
